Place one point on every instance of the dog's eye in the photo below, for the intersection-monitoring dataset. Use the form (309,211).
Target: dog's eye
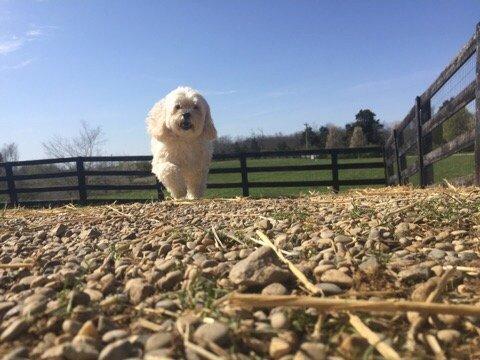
(196,107)
(176,107)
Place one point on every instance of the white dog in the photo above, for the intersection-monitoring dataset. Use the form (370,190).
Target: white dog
(182,134)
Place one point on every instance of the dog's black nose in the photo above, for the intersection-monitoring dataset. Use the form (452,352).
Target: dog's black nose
(186,116)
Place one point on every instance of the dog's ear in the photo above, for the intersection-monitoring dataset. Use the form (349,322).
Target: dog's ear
(209,131)
(156,121)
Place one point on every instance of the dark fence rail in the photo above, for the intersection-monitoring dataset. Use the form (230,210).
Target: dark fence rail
(424,123)
(77,169)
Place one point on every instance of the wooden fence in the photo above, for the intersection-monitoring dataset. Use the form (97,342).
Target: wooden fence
(420,115)
(82,174)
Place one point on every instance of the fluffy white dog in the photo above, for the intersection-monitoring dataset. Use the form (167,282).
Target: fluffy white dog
(182,133)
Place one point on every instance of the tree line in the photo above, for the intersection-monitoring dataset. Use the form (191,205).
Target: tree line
(365,130)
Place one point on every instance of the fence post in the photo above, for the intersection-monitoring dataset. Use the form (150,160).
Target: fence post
(477,108)
(82,188)
(385,169)
(418,118)
(160,187)
(426,114)
(243,167)
(335,183)
(12,192)
(397,158)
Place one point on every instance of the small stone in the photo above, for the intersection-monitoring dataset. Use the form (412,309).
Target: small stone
(281,241)
(215,332)
(467,256)
(71,327)
(34,307)
(329,288)
(342,239)
(327,234)
(402,229)
(59,230)
(56,352)
(447,319)
(167,304)
(436,254)
(92,233)
(279,320)
(94,295)
(263,224)
(138,290)
(80,351)
(370,266)
(320,269)
(170,280)
(424,289)
(337,277)
(448,336)
(414,274)
(159,354)
(120,349)
(158,341)
(258,269)
(6,306)
(14,330)
(279,347)
(311,351)
(274,289)
(20,352)
(76,298)
(114,335)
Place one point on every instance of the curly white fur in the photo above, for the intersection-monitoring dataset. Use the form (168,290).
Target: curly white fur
(182,146)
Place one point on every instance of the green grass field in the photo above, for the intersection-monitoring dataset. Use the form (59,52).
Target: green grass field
(458,165)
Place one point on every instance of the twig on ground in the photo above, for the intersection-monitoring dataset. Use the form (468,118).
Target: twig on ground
(373,339)
(336,305)
(432,297)
(300,276)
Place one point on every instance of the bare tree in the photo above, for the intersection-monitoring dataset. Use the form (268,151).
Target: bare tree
(335,138)
(9,152)
(87,143)
(358,138)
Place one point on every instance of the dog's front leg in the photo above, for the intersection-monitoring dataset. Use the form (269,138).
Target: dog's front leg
(171,177)
(196,185)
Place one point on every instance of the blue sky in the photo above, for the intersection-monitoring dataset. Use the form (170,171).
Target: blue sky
(263,65)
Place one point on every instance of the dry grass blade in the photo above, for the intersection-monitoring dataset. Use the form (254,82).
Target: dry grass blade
(373,339)
(435,346)
(329,304)
(147,324)
(16,266)
(119,212)
(467,269)
(433,296)
(158,311)
(218,242)
(300,276)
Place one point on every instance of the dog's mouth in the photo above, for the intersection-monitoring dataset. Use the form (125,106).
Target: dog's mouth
(186,125)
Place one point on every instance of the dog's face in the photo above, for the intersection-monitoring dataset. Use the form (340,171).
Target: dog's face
(184,113)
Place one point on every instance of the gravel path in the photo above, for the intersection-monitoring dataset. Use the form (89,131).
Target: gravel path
(146,281)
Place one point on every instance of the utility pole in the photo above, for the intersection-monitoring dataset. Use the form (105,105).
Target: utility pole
(306,136)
